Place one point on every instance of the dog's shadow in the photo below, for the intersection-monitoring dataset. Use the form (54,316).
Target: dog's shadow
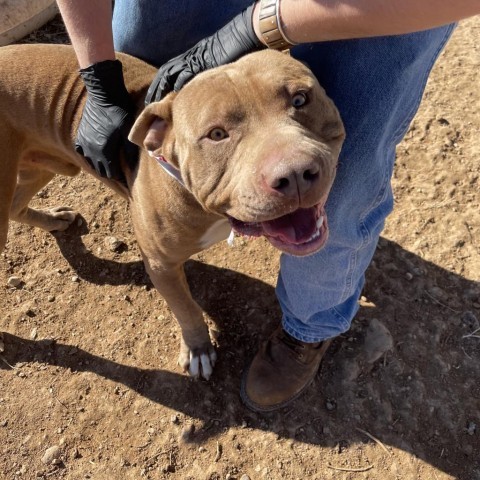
(396,398)
(95,270)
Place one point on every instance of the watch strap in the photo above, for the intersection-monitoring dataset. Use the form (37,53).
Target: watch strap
(270,26)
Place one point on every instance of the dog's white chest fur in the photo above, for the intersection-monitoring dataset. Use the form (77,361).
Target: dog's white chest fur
(216,233)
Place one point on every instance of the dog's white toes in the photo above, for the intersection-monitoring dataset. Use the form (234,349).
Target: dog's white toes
(198,362)
(207,366)
(194,369)
(201,365)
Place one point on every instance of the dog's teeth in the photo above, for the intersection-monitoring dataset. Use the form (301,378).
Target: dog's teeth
(320,222)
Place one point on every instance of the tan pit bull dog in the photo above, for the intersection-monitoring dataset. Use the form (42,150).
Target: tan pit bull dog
(251,146)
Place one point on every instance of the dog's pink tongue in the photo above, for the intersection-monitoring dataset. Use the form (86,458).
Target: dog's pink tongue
(296,227)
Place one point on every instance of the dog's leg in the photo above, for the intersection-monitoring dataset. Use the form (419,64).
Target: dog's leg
(8,180)
(30,181)
(197,354)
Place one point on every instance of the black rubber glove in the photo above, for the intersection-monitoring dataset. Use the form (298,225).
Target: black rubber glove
(232,41)
(107,118)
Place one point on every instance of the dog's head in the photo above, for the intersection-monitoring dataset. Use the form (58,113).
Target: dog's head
(256,141)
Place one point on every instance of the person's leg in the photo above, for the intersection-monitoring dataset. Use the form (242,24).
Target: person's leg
(377,85)
(157,31)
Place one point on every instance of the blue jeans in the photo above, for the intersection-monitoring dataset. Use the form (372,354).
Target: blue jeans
(377,85)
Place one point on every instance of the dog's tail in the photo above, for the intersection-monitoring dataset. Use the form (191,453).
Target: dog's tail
(9,157)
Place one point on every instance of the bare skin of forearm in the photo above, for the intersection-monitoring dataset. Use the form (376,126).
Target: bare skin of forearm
(89,25)
(320,20)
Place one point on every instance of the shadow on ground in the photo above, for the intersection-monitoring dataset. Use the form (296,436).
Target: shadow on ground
(407,371)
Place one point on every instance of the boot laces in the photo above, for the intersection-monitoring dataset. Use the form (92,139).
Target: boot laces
(291,342)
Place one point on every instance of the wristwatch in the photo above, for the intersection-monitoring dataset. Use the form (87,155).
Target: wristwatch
(270,26)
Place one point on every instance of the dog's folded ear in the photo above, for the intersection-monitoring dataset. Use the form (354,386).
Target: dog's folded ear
(150,128)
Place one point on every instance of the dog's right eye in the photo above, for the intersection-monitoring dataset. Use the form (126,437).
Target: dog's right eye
(217,134)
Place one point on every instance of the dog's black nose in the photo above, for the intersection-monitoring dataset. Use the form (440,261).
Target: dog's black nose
(292,179)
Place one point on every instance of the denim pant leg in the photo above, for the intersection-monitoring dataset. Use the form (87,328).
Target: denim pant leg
(377,84)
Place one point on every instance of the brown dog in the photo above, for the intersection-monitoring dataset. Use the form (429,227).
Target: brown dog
(253,147)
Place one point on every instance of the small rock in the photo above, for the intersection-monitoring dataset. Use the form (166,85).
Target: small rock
(437,293)
(23,469)
(174,419)
(187,432)
(378,340)
(51,298)
(244,477)
(2,344)
(3,423)
(467,450)
(14,282)
(114,244)
(471,428)
(75,278)
(409,276)
(418,272)
(169,468)
(470,320)
(331,405)
(33,334)
(52,455)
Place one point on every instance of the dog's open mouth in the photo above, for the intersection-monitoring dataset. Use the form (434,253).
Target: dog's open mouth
(300,233)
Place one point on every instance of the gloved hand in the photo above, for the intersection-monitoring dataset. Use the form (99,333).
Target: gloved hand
(107,118)
(232,41)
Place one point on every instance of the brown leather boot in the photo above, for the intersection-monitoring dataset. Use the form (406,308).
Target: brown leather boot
(281,370)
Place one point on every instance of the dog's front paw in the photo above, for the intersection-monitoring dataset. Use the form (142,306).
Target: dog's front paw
(60,218)
(199,361)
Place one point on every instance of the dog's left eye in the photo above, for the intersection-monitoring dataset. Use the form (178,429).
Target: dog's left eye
(217,134)
(299,99)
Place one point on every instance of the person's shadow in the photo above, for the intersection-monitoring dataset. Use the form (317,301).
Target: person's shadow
(407,372)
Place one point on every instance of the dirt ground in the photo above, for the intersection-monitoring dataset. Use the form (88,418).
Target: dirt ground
(89,360)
